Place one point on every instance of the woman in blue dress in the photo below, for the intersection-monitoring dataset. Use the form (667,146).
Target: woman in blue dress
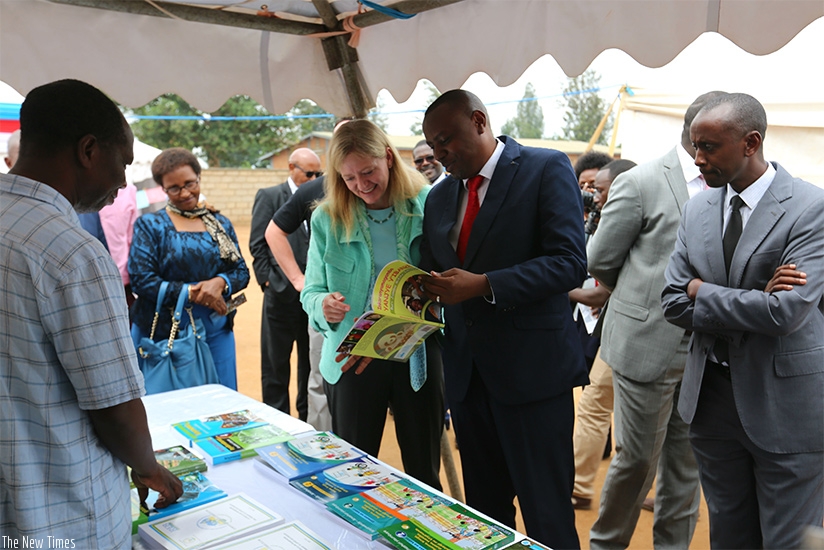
(188,242)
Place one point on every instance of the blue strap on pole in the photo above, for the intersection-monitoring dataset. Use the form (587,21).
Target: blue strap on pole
(387,11)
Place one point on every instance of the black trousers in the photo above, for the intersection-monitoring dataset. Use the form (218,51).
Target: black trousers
(522,450)
(283,325)
(358,403)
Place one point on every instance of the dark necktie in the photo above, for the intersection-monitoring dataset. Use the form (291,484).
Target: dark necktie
(731,236)
(473,205)
(733,232)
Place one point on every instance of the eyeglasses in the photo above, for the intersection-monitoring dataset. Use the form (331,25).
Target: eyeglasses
(189,186)
(430,159)
(310,174)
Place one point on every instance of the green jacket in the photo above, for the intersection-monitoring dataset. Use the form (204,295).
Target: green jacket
(336,263)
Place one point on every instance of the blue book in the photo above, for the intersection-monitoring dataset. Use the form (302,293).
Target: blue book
(197,490)
(218,424)
(241,444)
(344,480)
(308,454)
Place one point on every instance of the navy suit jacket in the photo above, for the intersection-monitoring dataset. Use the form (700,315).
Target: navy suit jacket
(528,238)
(267,202)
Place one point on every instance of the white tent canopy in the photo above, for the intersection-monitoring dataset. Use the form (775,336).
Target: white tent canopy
(135,58)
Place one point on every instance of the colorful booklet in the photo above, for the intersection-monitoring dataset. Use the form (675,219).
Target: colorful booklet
(179,460)
(386,505)
(294,536)
(400,319)
(241,444)
(218,424)
(344,480)
(308,454)
(210,525)
(197,490)
(447,528)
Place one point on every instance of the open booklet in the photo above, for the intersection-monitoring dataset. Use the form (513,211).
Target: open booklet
(400,319)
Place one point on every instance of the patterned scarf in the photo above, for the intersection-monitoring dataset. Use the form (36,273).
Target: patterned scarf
(228,250)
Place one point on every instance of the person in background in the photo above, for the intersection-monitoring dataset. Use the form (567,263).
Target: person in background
(591,439)
(187,242)
(297,213)
(427,164)
(746,280)
(117,220)
(70,387)
(628,255)
(586,167)
(372,215)
(504,243)
(284,323)
(12,149)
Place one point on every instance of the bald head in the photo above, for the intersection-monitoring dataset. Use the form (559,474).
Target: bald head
(13,149)
(304,165)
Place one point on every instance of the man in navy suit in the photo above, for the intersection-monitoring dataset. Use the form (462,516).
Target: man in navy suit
(511,354)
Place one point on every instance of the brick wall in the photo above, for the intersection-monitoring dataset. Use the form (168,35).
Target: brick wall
(232,190)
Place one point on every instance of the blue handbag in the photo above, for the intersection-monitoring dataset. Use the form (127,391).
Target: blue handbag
(180,362)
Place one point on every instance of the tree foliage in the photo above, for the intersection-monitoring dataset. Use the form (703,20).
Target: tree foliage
(226,143)
(416,128)
(584,108)
(529,119)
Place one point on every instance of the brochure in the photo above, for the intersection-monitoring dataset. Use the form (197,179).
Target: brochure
(197,490)
(448,528)
(294,536)
(179,460)
(386,505)
(210,525)
(400,319)
(344,480)
(241,444)
(218,424)
(308,454)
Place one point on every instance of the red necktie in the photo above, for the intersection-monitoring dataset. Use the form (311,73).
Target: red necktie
(472,207)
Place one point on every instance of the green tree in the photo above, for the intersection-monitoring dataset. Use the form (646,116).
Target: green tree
(584,108)
(529,119)
(416,128)
(226,143)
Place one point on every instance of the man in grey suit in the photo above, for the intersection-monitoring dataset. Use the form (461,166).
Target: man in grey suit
(753,390)
(284,323)
(628,254)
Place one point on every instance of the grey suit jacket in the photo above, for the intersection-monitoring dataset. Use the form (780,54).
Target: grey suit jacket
(628,254)
(267,202)
(776,341)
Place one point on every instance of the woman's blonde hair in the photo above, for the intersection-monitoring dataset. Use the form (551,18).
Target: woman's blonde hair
(362,137)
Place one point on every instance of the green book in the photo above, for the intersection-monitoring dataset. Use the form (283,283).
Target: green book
(241,444)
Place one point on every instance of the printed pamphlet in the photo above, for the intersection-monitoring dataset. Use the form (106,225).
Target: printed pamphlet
(386,505)
(218,424)
(344,480)
(242,443)
(308,454)
(197,490)
(400,319)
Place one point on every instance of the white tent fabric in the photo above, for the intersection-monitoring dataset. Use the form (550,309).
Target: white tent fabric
(135,58)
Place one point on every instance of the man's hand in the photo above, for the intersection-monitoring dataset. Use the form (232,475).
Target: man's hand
(784,278)
(455,285)
(333,307)
(360,361)
(160,480)
(692,288)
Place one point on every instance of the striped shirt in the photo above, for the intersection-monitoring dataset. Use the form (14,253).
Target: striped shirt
(64,349)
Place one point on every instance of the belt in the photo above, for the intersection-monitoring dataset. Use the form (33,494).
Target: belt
(723,370)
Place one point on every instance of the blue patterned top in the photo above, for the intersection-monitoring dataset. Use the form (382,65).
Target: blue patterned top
(160,253)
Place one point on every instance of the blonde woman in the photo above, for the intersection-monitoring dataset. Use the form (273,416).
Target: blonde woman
(372,215)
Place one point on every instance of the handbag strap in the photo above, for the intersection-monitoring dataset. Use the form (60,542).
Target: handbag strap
(161,294)
(178,313)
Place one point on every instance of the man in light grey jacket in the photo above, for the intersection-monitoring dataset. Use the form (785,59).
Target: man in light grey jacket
(628,255)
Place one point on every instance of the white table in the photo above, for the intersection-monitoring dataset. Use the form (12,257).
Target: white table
(245,476)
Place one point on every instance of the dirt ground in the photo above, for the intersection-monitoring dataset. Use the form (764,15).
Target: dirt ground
(247,335)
